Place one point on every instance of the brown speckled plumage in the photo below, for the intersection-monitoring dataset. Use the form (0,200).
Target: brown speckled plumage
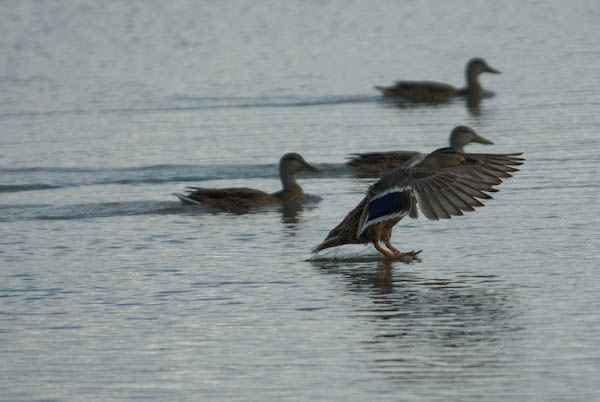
(446,183)
(429,91)
(242,199)
(375,164)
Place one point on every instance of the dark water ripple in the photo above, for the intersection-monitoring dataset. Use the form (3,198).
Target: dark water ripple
(95,210)
(12,188)
(184,103)
(14,212)
(48,178)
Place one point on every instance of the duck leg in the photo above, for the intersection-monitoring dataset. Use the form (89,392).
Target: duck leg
(399,253)
(384,251)
(396,255)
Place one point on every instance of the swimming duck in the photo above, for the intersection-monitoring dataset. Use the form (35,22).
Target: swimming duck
(242,199)
(444,183)
(381,162)
(428,91)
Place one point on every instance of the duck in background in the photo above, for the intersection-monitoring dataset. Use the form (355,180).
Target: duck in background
(428,91)
(242,199)
(374,164)
(444,183)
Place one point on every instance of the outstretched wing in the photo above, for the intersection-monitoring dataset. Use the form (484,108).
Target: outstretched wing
(440,194)
(443,194)
(495,167)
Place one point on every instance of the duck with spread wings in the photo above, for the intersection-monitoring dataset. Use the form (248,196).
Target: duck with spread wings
(443,184)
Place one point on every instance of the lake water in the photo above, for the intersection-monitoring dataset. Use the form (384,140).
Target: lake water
(112,290)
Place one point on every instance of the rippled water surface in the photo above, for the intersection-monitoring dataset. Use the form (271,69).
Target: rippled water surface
(112,290)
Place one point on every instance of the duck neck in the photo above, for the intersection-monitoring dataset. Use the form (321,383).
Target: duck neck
(458,147)
(473,85)
(291,189)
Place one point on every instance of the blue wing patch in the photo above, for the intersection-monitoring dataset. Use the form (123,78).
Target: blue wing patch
(389,204)
(394,203)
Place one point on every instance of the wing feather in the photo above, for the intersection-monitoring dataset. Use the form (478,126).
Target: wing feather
(451,205)
(444,194)
(440,194)
(494,168)
(426,207)
(462,200)
(440,211)
(389,198)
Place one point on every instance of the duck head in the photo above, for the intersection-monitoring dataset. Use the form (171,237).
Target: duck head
(463,135)
(477,65)
(292,163)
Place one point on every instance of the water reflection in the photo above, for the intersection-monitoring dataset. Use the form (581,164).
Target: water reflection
(291,213)
(420,328)
(472,103)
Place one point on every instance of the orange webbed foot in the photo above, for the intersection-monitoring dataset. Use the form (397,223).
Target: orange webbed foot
(397,254)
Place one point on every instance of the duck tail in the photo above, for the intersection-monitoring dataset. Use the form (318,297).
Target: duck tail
(328,243)
(385,91)
(353,161)
(185,199)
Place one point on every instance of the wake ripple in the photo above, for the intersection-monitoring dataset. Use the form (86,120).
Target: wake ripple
(183,103)
(48,178)
(11,188)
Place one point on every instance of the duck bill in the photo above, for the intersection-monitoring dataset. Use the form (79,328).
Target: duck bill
(482,140)
(492,70)
(310,168)
(472,161)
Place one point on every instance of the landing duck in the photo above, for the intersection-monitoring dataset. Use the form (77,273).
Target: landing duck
(242,199)
(376,163)
(428,91)
(443,184)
